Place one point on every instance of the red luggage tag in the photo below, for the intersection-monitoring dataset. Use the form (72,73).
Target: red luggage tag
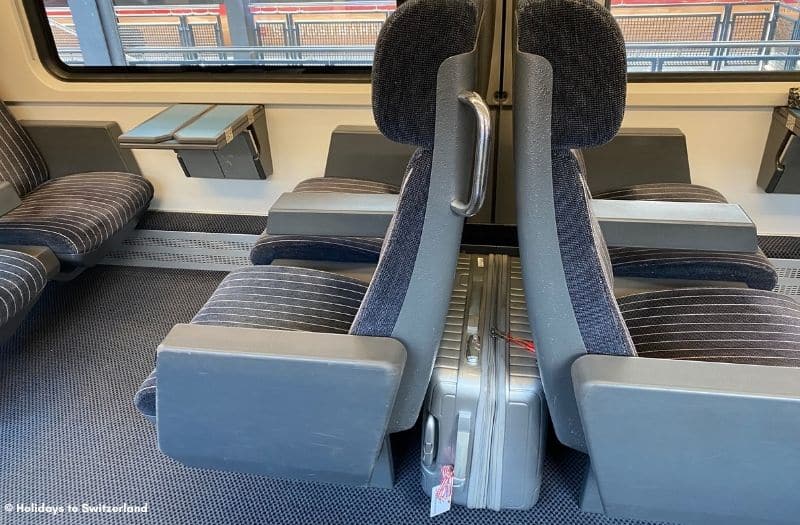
(442,494)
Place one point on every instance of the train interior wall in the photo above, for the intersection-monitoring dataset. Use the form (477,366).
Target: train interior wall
(725,124)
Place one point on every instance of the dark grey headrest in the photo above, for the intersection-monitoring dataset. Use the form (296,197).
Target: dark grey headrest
(584,45)
(413,43)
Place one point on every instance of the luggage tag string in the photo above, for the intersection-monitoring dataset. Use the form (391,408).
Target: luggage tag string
(527,344)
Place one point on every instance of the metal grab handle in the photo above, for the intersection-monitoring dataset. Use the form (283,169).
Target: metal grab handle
(480,168)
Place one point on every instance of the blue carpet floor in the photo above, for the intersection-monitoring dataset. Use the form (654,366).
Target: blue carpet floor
(69,434)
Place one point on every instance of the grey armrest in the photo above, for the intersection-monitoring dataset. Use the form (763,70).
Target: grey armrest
(297,405)
(334,214)
(676,225)
(8,198)
(687,441)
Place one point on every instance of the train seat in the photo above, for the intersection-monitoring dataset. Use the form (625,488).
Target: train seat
(686,401)
(753,269)
(349,249)
(347,361)
(274,297)
(23,276)
(79,217)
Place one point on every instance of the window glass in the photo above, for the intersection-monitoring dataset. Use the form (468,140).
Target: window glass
(662,36)
(208,33)
(691,36)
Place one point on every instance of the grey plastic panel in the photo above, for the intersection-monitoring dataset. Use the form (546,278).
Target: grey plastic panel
(630,285)
(692,442)
(678,225)
(638,156)
(336,214)
(553,324)
(70,147)
(163,126)
(780,164)
(200,164)
(362,152)
(297,405)
(420,322)
(8,198)
(218,125)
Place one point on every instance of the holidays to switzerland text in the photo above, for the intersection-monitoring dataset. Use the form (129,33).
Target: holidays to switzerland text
(81,508)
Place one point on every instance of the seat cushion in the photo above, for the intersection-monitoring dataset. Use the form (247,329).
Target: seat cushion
(665,191)
(316,248)
(22,279)
(341,185)
(284,298)
(753,269)
(731,325)
(74,215)
(273,297)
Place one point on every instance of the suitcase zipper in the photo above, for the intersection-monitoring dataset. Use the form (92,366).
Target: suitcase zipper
(501,350)
(479,479)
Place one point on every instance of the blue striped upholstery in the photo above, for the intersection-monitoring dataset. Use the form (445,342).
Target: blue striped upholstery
(342,185)
(664,191)
(284,298)
(753,269)
(75,214)
(315,248)
(20,161)
(733,325)
(145,398)
(22,279)
(384,299)
(273,297)
(586,262)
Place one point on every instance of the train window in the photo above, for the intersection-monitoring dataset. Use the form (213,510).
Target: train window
(666,39)
(687,36)
(212,34)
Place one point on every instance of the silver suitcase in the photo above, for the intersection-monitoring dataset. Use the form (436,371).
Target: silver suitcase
(484,417)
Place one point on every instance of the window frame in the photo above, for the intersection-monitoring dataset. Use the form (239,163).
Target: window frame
(47,52)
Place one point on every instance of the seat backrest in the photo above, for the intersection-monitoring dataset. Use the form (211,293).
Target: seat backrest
(21,164)
(425,56)
(569,86)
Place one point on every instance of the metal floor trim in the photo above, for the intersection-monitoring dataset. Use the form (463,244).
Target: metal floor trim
(184,250)
(788,277)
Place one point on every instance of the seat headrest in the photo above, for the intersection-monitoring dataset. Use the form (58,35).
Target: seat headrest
(585,47)
(413,43)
